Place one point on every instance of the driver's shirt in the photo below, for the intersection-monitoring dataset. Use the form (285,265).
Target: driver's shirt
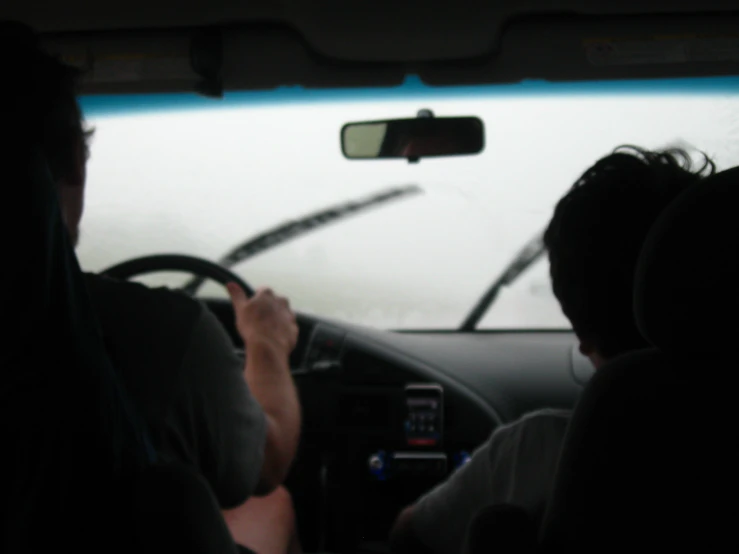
(182,371)
(515,466)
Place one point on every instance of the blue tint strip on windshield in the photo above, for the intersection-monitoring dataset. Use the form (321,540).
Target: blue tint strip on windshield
(413,88)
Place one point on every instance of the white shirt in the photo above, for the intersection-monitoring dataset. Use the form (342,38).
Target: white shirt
(516,465)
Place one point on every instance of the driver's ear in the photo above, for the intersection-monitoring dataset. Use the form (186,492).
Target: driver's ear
(589,350)
(586,348)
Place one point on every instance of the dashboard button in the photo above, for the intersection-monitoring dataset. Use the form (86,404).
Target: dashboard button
(461,458)
(375,462)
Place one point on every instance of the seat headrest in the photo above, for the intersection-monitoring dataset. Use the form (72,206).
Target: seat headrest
(50,301)
(685,290)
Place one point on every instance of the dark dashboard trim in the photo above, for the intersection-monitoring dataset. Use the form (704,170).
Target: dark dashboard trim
(396,356)
(503,373)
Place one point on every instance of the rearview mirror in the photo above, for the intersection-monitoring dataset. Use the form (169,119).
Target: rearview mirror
(412,139)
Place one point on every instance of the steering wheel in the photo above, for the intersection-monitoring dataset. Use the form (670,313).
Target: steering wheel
(177,262)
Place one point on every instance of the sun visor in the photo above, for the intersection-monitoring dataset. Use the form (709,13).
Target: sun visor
(590,48)
(211,61)
(123,62)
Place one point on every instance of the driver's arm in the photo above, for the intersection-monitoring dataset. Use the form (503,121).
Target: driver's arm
(237,422)
(269,330)
(268,375)
(214,421)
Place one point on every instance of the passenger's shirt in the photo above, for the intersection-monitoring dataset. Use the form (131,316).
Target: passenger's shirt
(184,376)
(515,466)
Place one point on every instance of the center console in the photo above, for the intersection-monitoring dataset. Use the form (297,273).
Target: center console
(376,437)
(423,455)
(396,451)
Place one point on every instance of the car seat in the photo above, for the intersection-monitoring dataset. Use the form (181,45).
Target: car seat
(77,469)
(650,459)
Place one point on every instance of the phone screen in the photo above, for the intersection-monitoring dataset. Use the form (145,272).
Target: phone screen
(425,415)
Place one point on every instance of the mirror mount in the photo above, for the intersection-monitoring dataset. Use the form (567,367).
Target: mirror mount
(423,113)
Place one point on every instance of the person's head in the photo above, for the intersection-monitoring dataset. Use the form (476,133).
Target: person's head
(595,237)
(55,119)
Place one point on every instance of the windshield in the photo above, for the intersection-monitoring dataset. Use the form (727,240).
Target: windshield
(185,174)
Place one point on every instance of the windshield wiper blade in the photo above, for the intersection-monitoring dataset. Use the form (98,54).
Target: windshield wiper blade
(531,252)
(296,228)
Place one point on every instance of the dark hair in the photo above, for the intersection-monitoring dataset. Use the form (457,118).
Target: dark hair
(45,92)
(596,234)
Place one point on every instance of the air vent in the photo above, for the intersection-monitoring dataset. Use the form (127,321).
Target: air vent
(297,358)
(325,345)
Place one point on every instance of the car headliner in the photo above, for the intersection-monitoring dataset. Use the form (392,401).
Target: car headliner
(328,43)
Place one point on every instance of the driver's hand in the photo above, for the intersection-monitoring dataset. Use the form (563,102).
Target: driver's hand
(265,317)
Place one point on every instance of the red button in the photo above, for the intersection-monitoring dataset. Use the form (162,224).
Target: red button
(422,442)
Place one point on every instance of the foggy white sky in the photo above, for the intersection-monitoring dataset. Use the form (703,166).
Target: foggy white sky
(199,182)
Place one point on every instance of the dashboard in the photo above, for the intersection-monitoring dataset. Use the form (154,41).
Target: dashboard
(388,415)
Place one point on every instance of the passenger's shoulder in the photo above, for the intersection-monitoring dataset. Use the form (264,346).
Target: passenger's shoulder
(546,415)
(535,435)
(539,421)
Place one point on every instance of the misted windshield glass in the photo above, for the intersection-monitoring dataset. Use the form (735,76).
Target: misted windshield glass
(185,174)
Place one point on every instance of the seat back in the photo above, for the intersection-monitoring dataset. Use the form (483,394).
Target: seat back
(68,432)
(502,528)
(77,469)
(175,510)
(651,448)
(649,459)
